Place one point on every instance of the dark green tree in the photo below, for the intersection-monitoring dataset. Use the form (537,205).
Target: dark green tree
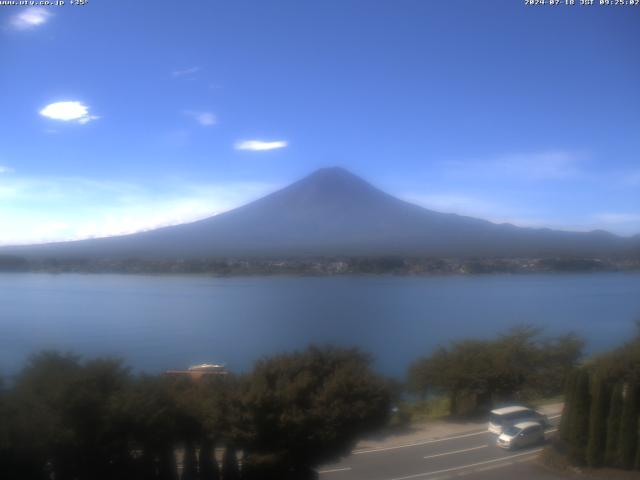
(598,422)
(558,357)
(516,366)
(636,463)
(579,419)
(310,407)
(430,375)
(567,412)
(62,419)
(629,426)
(148,411)
(613,426)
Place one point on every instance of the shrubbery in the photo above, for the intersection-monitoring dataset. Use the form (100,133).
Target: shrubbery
(477,374)
(73,419)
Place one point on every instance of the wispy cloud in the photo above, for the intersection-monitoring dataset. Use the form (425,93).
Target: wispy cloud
(206,119)
(4,169)
(260,145)
(68,111)
(186,72)
(617,217)
(29,18)
(76,208)
(546,165)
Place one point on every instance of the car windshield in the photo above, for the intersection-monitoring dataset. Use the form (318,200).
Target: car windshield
(511,431)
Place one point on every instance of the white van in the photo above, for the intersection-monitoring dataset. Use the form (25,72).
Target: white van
(507,416)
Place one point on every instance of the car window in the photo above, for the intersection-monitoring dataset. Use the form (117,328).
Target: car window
(512,431)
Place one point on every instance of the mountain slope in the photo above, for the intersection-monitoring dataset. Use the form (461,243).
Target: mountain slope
(333,212)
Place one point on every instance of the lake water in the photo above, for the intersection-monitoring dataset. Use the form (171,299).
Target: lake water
(161,322)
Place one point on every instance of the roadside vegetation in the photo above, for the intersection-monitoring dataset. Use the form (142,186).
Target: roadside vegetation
(66,418)
(472,376)
(600,425)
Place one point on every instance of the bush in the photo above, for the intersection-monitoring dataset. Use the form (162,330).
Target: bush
(313,405)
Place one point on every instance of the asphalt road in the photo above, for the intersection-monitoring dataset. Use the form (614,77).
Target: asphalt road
(473,454)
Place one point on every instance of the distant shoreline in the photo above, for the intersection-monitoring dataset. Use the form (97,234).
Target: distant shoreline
(313,267)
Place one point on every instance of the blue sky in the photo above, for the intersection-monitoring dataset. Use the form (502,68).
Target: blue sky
(120,115)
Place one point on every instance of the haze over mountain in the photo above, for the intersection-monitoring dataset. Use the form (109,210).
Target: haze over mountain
(335,213)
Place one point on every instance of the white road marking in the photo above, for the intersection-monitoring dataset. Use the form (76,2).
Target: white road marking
(345,469)
(462,467)
(456,451)
(426,442)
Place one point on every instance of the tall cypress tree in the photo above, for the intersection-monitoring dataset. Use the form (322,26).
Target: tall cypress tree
(579,419)
(565,420)
(598,422)
(613,426)
(629,426)
(637,461)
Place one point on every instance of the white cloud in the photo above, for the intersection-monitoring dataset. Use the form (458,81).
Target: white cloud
(68,111)
(206,119)
(259,145)
(63,208)
(30,18)
(4,169)
(185,72)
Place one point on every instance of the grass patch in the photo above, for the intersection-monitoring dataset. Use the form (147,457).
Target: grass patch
(420,411)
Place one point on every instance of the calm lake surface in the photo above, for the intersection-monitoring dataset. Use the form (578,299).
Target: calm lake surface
(160,322)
